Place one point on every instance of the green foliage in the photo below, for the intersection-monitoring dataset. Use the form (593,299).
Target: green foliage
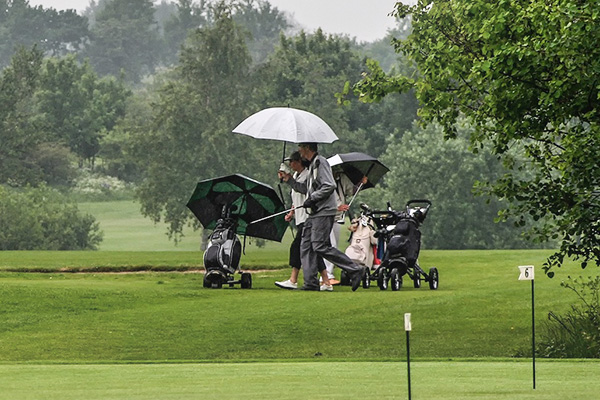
(189,15)
(75,107)
(55,162)
(521,72)
(264,24)
(306,71)
(57,33)
(43,219)
(51,109)
(576,334)
(425,166)
(125,40)
(18,133)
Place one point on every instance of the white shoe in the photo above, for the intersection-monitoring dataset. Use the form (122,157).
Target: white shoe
(287,285)
(326,288)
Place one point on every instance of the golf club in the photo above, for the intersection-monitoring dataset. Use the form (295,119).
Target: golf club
(274,215)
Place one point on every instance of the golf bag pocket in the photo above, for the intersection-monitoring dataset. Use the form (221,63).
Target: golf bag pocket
(357,253)
(224,251)
(402,228)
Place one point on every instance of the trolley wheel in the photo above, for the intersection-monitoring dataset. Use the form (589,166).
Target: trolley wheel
(382,279)
(395,280)
(246,282)
(344,279)
(366,283)
(217,285)
(206,283)
(417,280)
(434,278)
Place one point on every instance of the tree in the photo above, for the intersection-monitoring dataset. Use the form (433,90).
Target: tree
(18,134)
(264,24)
(306,71)
(56,33)
(48,109)
(76,107)
(522,72)
(125,38)
(189,136)
(188,17)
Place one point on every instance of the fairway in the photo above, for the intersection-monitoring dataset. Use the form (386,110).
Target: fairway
(446,380)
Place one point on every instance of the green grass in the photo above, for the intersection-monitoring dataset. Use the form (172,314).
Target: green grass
(126,230)
(480,310)
(449,380)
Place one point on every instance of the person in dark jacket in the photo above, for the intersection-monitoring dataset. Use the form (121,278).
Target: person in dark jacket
(321,206)
(298,214)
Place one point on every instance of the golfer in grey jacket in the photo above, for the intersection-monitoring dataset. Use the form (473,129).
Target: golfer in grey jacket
(321,206)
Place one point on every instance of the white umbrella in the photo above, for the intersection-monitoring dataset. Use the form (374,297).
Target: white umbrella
(288,125)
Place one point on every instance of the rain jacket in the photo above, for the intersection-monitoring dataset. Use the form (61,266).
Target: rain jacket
(319,187)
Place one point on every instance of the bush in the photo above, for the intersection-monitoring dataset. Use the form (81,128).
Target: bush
(43,219)
(577,333)
(97,187)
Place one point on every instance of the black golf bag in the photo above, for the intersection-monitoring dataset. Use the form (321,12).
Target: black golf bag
(224,248)
(404,244)
(222,256)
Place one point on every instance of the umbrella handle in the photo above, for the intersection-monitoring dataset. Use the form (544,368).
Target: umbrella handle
(273,215)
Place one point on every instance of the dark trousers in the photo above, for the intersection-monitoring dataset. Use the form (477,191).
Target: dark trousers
(295,259)
(316,245)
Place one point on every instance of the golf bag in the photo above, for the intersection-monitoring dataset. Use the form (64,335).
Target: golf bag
(224,249)
(362,242)
(400,241)
(405,243)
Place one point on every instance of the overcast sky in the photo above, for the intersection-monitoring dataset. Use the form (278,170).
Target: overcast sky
(366,20)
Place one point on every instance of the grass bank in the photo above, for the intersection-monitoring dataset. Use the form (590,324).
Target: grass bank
(480,310)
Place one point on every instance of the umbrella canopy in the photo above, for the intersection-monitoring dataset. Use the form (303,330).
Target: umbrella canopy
(249,200)
(288,125)
(356,165)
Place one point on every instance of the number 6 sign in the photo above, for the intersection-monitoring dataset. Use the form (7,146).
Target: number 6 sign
(527,273)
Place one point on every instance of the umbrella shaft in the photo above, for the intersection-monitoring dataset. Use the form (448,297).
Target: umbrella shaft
(357,190)
(341,220)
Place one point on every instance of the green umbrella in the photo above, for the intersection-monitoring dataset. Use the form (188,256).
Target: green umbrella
(247,200)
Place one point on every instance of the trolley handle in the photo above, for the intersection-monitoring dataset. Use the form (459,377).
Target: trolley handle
(415,201)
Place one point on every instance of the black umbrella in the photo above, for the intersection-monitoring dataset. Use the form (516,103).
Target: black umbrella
(247,199)
(356,165)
